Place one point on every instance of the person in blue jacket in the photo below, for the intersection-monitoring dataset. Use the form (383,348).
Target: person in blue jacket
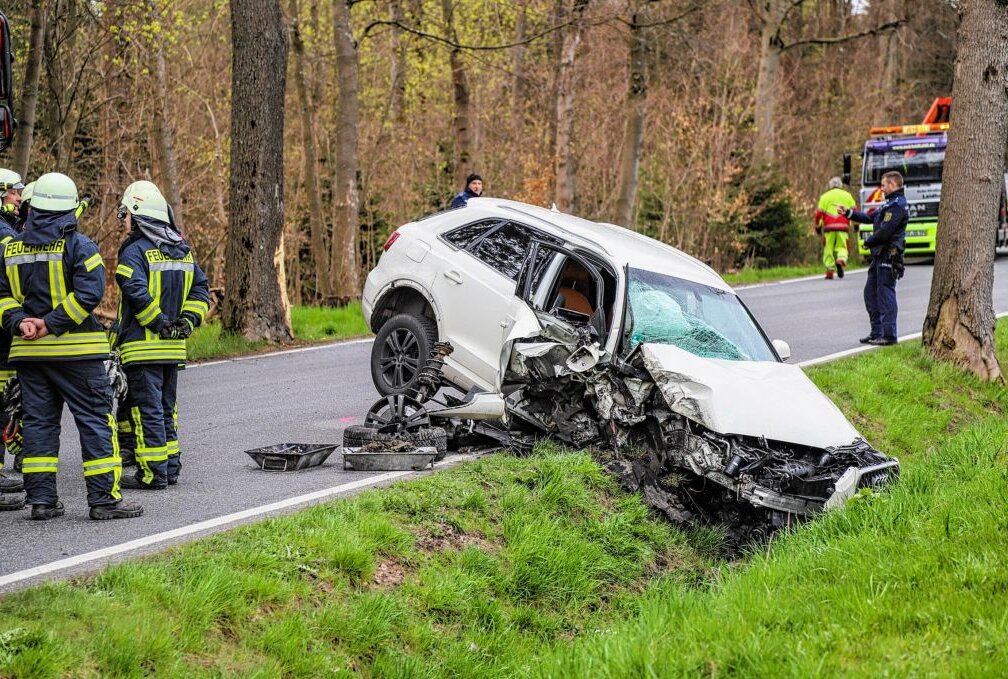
(473,189)
(886,243)
(11,186)
(164,296)
(53,279)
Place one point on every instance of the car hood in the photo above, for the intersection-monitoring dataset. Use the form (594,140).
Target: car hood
(751,398)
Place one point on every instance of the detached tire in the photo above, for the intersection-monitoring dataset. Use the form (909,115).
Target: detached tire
(400,349)
(357,435)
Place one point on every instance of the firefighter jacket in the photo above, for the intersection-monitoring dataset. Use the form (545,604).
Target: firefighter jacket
(826,215)
(6,234)
(158,285)
(54,273)
(889,223)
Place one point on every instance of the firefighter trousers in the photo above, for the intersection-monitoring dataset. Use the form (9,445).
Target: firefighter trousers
(84,387)
(148,419)
(5,376)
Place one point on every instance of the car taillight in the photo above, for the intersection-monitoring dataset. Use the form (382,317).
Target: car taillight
(391,239)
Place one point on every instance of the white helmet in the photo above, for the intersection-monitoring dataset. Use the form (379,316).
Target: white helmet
(143,199)
(9,179)
(54,192)
(27,191)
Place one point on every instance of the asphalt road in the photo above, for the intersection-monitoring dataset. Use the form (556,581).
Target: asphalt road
(309,396)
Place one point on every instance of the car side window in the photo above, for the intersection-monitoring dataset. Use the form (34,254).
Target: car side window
(504,250)
(464,236)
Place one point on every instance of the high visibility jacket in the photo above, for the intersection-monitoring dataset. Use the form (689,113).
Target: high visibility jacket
(54,273)
(826,215)
(6,234)
(158,285)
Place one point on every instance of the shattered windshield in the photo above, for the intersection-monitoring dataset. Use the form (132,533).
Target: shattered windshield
(700,319)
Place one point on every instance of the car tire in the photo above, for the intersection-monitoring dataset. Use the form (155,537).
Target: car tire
(357,435)
(400,348)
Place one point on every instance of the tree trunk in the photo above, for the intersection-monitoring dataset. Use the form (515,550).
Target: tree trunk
(518,74)
(30,91)
(766,93)
(254,307)
(564,161)
(633,133)
(345,267)
(316,222)
(397,102)
(166,140)
(462,121)
(959,326)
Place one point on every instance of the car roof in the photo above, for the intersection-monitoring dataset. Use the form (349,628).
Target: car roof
(620,245)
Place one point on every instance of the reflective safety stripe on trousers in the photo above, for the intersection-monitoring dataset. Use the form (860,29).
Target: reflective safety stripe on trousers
(35,465)
(160,350)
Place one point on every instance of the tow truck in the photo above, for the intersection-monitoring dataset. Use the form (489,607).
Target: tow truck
(918,153)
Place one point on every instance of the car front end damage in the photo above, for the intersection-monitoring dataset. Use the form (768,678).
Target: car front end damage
(752,445)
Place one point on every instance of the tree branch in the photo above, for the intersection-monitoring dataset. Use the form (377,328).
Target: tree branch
(455,44)
(882,28)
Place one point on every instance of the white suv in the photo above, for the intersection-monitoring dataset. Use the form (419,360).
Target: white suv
(595,334)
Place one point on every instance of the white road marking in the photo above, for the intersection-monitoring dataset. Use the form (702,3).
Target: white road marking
(299,350)
(209,524)
(816,277)
(866,347)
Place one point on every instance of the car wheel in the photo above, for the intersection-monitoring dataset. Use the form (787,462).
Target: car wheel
(399,351)
(357,435)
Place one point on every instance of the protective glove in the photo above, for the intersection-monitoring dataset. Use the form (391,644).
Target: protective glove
(117,377)
(178,329)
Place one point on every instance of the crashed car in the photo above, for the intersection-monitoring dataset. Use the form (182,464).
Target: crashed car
(601,337)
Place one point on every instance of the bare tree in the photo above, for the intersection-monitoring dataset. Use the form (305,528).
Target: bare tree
(462,120)
(316,221)
(564,161)
(30,90)
(166,136)
(959,326)
(633,110)
(254,305)
(346,198)
(397,98)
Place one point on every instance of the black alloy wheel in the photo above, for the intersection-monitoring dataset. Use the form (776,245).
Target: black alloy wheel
(400,350)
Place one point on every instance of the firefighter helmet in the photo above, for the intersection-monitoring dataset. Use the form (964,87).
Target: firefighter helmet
(54,192)
(9,179)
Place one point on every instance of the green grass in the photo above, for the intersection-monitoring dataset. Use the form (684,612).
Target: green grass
(310,324)
(540,566)
(749,276)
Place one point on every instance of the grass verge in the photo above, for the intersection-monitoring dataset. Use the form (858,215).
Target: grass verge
(310,324)
(750,276)
(541,567)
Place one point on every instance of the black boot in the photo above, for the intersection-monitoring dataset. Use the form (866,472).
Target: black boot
(9,485)
(128,459)
(131,482)
(10,503)
(46,512)
(868,340)
(120,510)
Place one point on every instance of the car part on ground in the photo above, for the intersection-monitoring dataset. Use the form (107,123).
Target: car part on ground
(287,457)
(384,457)
(399,348)
(405,412)
(358,436)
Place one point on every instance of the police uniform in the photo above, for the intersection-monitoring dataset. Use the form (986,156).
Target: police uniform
(886,243)
(161,285)
(54,273)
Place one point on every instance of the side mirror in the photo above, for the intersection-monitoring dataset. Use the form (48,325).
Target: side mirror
(782,349)
(7,125)
(846,168)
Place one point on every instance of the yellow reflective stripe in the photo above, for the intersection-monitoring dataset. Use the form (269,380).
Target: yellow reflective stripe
(8,303)
(73,309)
(70,344)
(5,375)
(156,454)
(149,313)
(35,465)
(125,427)
(123,270)
(15,282)
(198,307)
(187,281)
(56,282)
(5,240)
(93,262)
(102,465)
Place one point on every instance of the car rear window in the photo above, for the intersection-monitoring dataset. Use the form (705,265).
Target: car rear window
(464,236)
(504,250)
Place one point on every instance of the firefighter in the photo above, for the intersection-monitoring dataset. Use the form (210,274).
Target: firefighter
(54,278)
(164,296)
(11,187)
(834,226)
(887,243)
(10,184)
(22,217)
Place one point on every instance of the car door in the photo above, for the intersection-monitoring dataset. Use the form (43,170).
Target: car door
(476,292)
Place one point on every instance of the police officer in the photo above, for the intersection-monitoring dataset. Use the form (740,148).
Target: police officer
(164,296)
(10,184)
(887,243)
(54,278)
(473,189)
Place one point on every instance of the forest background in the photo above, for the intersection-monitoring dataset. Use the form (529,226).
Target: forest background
(712,125)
